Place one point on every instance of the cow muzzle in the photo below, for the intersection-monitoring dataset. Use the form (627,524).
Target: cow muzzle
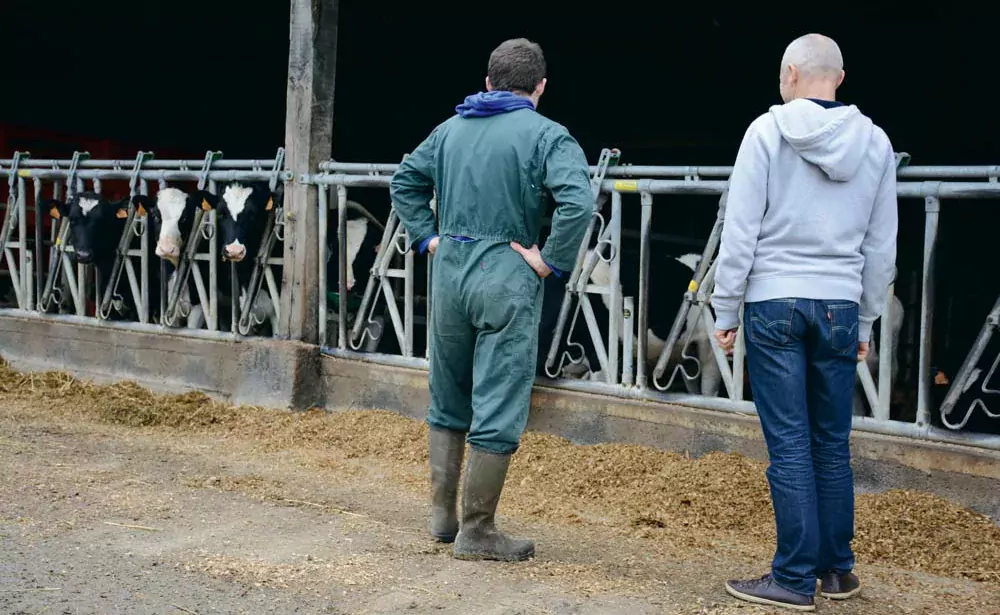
(84,256)
(168,252)
(235,251)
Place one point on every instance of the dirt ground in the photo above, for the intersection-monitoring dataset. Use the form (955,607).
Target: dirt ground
(118,501)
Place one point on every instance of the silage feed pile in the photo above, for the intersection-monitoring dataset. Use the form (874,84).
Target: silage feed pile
(663,495)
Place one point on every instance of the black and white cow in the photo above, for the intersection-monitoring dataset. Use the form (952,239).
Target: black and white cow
(363,240)
(243,209)
(241,213)
(96,226)
(171,217)
(669,279)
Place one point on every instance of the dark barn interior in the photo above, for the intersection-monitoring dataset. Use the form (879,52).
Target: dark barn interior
(675,86)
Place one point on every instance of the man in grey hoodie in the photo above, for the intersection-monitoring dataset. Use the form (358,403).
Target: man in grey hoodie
(809,246)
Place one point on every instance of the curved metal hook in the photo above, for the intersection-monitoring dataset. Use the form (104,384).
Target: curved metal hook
(371,325)
(978,402)
(566,354)
(680,367)
(601,226)
(207,229)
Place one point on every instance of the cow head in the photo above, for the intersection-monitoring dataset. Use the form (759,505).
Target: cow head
(95,223)
(243,212)
(174,214)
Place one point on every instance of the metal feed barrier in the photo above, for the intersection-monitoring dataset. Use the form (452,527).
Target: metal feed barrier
(64,286)
(647,182)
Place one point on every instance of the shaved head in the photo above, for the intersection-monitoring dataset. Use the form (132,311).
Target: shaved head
(811,67)
(815,55)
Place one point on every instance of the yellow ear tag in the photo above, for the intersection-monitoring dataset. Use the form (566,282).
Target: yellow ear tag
(54,212)
(205,206)
(692,286)
(121,214)
(141,210)
(270,204)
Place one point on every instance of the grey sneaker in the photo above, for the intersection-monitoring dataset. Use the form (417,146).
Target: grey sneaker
(837,586)
(765,591)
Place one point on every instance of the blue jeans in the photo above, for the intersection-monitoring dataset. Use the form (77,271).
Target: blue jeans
(802,357)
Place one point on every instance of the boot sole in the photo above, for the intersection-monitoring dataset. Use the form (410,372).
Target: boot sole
(748,598)
(841,596)
(495,557)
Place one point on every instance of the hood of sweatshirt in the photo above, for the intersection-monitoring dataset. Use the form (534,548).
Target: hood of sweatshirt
(835,139)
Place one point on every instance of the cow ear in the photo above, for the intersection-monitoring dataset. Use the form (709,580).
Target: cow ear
(122,213)
(140,201)
(205,205)
(54,212)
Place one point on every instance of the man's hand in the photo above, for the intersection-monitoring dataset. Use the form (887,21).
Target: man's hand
(726,339)
(533,257)
(862,351)
(433,245)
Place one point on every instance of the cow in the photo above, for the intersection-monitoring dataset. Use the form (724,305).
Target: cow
(242,210)
(96,225)
(669,278)
(363,242)
(168,228)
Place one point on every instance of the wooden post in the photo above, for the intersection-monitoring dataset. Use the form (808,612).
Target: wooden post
(312,58)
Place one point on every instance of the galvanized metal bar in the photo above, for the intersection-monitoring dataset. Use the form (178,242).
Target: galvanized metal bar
(24,268)
(39,274)
(149,174)
(324,256)
(932,209)
(114,164)
(408,299)
(941,172)
(615,298)
(880,411)
(342,311)
(940,189)
(645,225)
(628,336)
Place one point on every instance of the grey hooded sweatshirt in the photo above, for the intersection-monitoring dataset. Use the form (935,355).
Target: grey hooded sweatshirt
(811,213)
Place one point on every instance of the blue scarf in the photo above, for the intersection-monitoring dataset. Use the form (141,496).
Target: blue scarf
(485,104)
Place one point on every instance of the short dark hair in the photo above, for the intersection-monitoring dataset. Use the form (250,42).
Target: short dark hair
(516,65)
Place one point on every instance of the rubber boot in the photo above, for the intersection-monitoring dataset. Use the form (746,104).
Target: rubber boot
(478,538)
(446,451)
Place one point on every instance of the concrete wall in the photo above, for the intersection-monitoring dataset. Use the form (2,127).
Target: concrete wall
(284,374)
(964,474)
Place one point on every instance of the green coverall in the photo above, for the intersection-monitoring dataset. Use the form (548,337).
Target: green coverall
(493,176)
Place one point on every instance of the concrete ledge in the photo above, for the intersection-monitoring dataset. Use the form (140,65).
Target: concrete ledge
(243,371)
(964,474)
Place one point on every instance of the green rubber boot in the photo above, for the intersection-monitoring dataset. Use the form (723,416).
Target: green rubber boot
(478,538)
(446,451)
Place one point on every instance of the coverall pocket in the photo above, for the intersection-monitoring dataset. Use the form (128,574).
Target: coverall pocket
(510,276)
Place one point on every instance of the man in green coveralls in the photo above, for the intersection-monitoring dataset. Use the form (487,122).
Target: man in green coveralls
(495,165)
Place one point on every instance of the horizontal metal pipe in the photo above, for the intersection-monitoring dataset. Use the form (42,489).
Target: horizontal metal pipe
(164,174)
(720,404)
(944,190)
(149,164)
(657,171)
(121,326)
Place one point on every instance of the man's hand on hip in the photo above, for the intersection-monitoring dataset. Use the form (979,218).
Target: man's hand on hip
(533,257)
(726,339)
(433,245)
(862,351)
